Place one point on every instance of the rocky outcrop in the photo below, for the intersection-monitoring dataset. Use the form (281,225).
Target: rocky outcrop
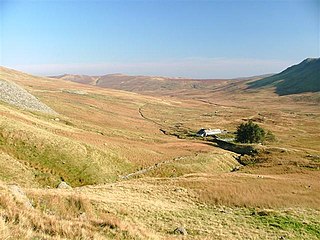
(64,185)
(15,95)
(20,196)
(180,231)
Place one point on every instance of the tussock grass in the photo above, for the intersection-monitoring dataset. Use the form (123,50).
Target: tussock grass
(212,162)
(12,171)
(54,157)
(300,226)
(103,134)
(143,209)
(253,190)
(58,217)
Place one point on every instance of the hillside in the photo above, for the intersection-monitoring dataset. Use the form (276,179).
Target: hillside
(300,78)
(160,86)
(84,79)
(138,171)
(13,94)
(140,84)
(98,143)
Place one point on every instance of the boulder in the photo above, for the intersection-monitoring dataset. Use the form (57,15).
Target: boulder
(20,196)
(64,185)
(180,231)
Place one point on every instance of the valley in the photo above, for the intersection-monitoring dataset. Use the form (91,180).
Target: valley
(138,171)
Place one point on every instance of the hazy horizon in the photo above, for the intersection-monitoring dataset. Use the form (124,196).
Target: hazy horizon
(140,69)
(207,39)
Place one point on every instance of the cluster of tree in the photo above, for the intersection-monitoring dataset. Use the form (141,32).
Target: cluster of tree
(250,132)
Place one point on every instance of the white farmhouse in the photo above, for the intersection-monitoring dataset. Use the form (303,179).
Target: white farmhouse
(208,132)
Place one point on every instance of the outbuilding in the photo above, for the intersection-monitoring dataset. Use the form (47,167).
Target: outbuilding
(208,132)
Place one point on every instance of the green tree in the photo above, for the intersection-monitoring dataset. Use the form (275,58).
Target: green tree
(250,133)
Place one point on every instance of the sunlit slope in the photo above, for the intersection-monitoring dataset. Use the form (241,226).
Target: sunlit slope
(31,141)
(97,136)
(15,95)
(154,85)
(297,79)
(153,208)
(150,174)
(84,79)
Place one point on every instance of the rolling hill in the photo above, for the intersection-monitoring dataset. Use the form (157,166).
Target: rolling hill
(155,85)
(300,78)
(90,140)
(84,79)
(137,171)
(138,83)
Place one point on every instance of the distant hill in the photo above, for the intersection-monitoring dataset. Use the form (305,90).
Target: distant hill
(84,79)
(157,85)
(300,78)
(140,83)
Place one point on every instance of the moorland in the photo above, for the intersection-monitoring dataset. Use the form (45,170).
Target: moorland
(127,148)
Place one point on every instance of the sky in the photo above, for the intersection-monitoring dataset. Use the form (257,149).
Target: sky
(196,39)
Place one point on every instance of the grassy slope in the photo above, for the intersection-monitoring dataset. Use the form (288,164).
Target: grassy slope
(145,209)
(53,157)
(303,77)
(93,140)
(154,85)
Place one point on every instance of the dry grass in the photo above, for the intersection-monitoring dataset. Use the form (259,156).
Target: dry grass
(152,208)
(146,209)
(12,171)
(58,217)
(106,133)
(211,162)
(54,156)
(253,190)
(92,142)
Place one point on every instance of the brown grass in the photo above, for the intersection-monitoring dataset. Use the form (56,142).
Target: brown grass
(142,209)
(58,217)
(117,132)
(253,190)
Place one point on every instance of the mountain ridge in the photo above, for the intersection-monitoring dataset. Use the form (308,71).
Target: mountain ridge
(299,78)
(153,85)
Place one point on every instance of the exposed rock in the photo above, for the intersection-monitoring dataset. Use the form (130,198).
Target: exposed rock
(313,157)
(79,92)
(180,230)
(236,168)
(20,196)
(82,217)
(15,95)
(179,190)
(64,185)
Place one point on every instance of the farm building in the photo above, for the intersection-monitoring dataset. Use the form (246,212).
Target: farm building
(208,132)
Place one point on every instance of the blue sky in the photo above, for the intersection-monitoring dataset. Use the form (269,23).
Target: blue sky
(199,39)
